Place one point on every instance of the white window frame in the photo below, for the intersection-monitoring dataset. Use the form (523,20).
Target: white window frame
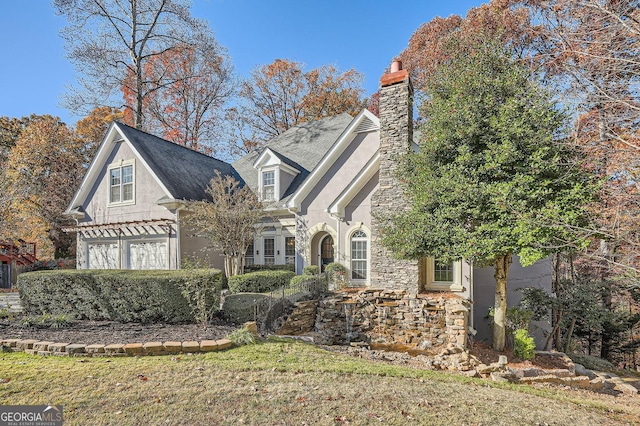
(264,186)
(367,259)
(289,258)
(272,257)
(249,256)
(119,166)
(432,284)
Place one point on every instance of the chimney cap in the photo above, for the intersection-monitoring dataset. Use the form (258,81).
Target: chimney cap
(395,75)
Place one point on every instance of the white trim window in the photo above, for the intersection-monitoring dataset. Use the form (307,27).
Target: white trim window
(442,275)
(269,185)
(269,254)
(122,184)
(359,256)
(248,257)
(290,250)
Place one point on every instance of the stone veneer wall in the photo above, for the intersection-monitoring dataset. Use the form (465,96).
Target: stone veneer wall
(396,134)
(425,321)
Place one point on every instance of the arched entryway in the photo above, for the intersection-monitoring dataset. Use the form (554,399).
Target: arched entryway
(326,252)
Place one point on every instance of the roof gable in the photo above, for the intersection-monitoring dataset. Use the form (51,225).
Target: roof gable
(364,122)
(301,147)
(183,174)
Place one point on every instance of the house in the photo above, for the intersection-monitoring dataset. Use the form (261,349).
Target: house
(322,182)
(129,206)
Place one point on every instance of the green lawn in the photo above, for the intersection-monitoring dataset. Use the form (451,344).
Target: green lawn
(282,382)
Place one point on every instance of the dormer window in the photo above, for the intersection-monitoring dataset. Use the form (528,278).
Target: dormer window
(121,183)
(275,174)
(269,185)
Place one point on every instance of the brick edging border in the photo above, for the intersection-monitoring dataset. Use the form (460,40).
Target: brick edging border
(37,347)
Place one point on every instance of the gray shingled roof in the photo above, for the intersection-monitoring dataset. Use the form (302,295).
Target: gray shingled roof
(303,146)
(184,172)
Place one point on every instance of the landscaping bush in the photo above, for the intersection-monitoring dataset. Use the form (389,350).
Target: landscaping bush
(311,270)
(256,268)
(117,295)
(300,282)
(523,344)
(336,275)
(259,282)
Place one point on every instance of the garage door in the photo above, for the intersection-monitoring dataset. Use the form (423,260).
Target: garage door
(103,256)
(148,255)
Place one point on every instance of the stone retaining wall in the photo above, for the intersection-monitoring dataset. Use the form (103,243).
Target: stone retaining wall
(425,321)
(36,347)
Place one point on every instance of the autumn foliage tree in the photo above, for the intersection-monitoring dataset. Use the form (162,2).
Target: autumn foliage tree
(281,95)
(430,45)
(189,87)
(42,172)
(591,48)
(92,128)
(229,221)
(111,41)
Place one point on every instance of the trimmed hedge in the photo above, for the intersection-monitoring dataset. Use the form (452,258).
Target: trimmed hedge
(311,270)
(116,295)
(303,281)
(255,268)
(259,282)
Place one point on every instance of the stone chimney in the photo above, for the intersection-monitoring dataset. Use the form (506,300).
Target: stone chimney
(396,136)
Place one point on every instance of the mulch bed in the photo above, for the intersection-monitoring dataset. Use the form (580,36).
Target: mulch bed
(108,332)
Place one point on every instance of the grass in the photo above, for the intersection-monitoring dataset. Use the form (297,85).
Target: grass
(284,382)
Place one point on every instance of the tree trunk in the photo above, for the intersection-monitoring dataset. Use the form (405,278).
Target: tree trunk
(501,273)
(567,345)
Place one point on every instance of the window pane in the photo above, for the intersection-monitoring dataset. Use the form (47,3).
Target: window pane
(359,244)
(359,269)
(268,193)
(268,178)
(269,245)
(115,177)
(443,271)
(290,246)
(127,174)
(248,257)
(127,192)
(115,194)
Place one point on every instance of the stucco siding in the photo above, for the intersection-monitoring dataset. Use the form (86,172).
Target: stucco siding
(147,193)
(314,214)
(537,275)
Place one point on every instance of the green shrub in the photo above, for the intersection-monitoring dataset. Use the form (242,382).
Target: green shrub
(202,295)
(242,336)
(336,275)
(117,295)
(5,313)
(311,270)
(523,344)
(592,362)
(255,268)
(259,282)
(302,281)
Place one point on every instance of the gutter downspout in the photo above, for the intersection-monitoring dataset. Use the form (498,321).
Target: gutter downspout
(178,258)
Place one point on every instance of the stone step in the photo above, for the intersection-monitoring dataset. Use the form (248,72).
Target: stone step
(10,301)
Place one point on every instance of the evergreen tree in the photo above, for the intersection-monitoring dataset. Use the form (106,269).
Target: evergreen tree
(494,176)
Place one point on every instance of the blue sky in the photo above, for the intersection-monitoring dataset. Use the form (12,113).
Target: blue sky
(360,34)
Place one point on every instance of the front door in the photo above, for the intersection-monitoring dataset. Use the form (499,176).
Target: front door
(326,252)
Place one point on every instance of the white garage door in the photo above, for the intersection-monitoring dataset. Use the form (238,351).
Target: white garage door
(148,255)
(103,256)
